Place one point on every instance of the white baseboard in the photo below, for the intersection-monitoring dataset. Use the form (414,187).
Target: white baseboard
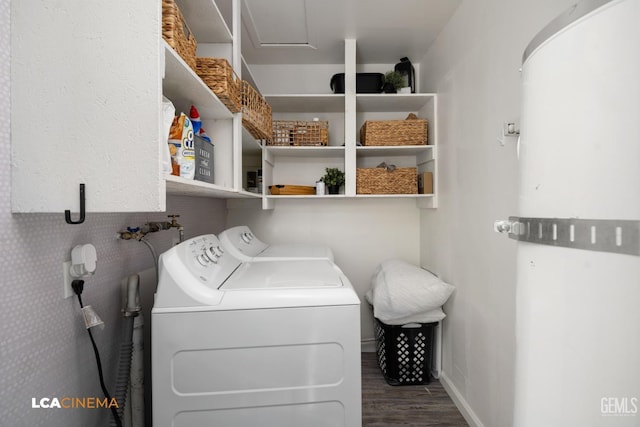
(368,346)
(460,402)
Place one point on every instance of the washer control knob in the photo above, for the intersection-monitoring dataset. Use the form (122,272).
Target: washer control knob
(211,255)
(217,250)
(245,237)
(202,260)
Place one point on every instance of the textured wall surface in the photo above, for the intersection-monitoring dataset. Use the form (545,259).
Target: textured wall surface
(77,69)
(44,348)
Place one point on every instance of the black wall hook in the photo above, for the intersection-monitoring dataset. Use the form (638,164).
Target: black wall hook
(67,213)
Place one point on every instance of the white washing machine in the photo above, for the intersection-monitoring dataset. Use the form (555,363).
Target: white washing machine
(253,344)
(243,244)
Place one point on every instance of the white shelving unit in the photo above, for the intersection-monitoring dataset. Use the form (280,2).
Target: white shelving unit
(306,103)
(308,152)
(189,187)
(388,102)
(184,87)
(205,20)
(299,165)
(423,157)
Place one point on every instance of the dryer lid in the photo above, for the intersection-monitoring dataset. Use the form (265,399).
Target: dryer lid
(297,250)
(289,274)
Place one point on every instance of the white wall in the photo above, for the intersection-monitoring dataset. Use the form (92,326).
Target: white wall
(474,68)
(298,78)
(44,349)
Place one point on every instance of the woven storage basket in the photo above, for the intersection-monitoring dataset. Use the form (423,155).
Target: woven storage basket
(381,181)
(256,113)
(394,132)
(296,132)
(177,34)
(222,80)
(292,190)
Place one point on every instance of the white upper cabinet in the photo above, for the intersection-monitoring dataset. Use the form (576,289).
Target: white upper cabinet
(87,80)
(85,105)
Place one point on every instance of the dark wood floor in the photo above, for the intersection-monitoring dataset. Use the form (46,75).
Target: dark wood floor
(419,405)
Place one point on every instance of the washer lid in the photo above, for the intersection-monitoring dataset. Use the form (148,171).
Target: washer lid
(296,250)
(287,274)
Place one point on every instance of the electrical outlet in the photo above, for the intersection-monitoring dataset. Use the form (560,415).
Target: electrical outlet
(67,279)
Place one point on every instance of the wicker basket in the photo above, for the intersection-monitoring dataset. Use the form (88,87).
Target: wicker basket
(222,80)
(292,190)
(177,34)
(256,113)
(296,132)
(381,181)
(394,132)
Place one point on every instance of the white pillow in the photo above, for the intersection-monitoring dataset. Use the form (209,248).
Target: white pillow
(401,290)
(427,317)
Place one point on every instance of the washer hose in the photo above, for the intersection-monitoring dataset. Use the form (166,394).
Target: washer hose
(124,367)
(131,310)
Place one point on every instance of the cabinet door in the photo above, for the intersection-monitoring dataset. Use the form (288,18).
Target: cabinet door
(86,105)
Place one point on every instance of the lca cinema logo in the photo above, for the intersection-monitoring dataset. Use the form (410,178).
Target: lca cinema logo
(73,403)
(619,406)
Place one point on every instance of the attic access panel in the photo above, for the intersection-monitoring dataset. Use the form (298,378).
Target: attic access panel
(267,25)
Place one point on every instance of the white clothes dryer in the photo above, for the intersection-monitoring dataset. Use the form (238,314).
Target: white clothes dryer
(244,245)
(253,344)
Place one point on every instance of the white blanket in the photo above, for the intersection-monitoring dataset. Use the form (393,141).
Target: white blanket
(404,293)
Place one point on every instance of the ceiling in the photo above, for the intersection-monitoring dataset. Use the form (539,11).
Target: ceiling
(313,31)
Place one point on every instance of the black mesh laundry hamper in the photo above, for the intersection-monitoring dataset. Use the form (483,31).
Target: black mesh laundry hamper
(405,353)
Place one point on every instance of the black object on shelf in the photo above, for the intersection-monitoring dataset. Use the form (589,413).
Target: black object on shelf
(405,68)
(365,82)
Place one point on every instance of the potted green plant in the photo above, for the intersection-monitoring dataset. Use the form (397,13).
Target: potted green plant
(393,81)
(333,179)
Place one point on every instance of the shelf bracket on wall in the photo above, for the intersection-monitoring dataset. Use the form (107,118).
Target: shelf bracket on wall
(67,213)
